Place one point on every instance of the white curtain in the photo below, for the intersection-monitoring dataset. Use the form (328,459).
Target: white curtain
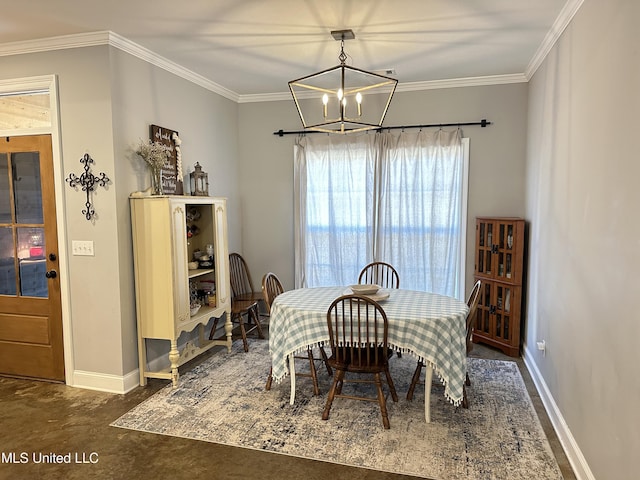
(334,181)
(387,197)
(419,209)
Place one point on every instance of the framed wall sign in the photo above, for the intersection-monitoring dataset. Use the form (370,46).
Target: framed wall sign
(172,169)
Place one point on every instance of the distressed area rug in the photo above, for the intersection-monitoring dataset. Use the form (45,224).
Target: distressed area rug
(223,400)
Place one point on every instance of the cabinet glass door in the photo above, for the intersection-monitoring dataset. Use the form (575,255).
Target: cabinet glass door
(504,249)
(503,299)
(484,245)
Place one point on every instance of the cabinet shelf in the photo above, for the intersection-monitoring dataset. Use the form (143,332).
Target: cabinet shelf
(200,272)
(164,283)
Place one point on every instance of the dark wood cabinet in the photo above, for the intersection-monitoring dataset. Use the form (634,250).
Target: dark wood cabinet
(499,264)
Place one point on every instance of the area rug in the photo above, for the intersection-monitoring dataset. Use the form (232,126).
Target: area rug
(223,400)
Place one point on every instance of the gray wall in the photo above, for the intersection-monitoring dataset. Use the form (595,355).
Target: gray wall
(582,199)
(108,99)
(496,173)
(207,125)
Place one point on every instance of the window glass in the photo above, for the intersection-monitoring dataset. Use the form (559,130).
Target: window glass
(25,111)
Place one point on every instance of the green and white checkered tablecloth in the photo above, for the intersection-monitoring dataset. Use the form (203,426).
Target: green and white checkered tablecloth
(428,326)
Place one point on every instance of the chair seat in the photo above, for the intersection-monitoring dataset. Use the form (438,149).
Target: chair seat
(249,296)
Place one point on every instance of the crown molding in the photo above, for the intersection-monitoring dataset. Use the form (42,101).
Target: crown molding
(113,39)
(564,18)
(405,87)
(147,55)
(54,43)
(462,82)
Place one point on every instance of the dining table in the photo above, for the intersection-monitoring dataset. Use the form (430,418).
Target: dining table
(427,326)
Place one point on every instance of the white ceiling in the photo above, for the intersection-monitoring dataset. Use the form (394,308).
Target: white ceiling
(254,47)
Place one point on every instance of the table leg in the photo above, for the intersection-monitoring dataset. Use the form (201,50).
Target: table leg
(292,374)
(428,376)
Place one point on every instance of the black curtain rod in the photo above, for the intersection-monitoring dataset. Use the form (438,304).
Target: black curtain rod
(483,123)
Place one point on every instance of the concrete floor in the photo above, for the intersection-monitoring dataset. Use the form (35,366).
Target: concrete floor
(43,418)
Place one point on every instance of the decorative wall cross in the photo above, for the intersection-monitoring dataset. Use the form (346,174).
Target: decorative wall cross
(88,181)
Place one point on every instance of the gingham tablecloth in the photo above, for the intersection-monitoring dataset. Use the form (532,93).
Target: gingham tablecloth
(429,326)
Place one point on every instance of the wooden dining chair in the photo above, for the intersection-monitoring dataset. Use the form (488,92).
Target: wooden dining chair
(271,288)
(358,332)
(383,274)
(380,273)
(240,279)
(472,303)
(244,301)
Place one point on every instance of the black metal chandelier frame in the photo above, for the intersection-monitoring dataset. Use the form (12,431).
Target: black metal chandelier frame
(343,123)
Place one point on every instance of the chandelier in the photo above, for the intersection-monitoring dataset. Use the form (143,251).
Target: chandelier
(342,99)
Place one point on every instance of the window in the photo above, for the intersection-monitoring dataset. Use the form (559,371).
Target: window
(394,198)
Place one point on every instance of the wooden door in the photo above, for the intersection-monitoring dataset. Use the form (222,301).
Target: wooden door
(31,343)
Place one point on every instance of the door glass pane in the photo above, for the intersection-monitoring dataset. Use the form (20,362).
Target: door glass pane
(7,262)
(5,198)
(33,265)
(27,187)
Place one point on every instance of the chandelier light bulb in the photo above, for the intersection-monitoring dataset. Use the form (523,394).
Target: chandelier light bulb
(340,94)
(359,102)
(325,101)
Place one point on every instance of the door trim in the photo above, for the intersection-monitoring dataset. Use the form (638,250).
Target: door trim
(50,83)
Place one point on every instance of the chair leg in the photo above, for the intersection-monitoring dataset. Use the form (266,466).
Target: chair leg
(213,328)
(414,381)
(382,402)
(392,387)
(256,316)
(312,369)
(468,381)
(340,385)
(269,379)
(338,377)
(465,400)
(243,332)
(325,359)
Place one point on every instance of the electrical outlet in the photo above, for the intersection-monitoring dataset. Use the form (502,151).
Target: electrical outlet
(542,346)
(82,247)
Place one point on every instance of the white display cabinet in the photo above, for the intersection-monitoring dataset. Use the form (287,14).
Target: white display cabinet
(167,230)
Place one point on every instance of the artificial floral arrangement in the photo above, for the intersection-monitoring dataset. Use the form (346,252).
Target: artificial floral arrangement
(155,154)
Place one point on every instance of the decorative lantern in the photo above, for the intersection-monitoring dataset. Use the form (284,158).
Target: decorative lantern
(199,181)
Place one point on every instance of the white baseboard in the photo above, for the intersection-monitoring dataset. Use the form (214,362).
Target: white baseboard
(569,444)
(122,384)
(104,382)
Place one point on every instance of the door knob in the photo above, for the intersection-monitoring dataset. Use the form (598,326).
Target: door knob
(51,274)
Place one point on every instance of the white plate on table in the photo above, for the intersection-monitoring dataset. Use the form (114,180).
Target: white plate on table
(378,296)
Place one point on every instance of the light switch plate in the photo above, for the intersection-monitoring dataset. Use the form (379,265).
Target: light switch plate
(82,247)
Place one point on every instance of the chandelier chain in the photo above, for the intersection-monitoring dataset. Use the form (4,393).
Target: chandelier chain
(343,56)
